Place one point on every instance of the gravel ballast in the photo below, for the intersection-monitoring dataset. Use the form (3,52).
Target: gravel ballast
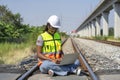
(99,55)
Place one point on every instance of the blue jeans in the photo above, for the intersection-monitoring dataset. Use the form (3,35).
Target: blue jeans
(60,70)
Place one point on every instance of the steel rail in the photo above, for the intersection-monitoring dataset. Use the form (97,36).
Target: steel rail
(27,74)
(91,73)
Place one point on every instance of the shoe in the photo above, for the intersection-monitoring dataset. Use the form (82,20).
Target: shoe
(51,73)
(78,72)
(84,73)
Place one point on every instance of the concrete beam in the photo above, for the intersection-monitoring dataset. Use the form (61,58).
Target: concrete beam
(102,10)
(104,5)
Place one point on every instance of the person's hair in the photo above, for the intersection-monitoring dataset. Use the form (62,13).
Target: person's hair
(46,27)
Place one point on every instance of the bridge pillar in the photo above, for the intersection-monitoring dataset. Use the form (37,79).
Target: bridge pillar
(98,26)
(90,30)
(87,30)
(82,32)
(93,28)
(116,20)
(105,23)
(79,33)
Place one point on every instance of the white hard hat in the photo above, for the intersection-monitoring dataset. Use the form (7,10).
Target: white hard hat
(54,21)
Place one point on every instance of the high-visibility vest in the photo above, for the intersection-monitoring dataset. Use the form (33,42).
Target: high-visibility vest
(51,45)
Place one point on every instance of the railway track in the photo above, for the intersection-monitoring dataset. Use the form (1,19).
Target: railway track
(103,58)
(110,42)
(107,42)
(84,62)
(28,68)
(73,48)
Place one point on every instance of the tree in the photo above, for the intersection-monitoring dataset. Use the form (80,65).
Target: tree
(11,26)
(8,17)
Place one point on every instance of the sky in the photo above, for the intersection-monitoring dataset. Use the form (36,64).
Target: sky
(36,12)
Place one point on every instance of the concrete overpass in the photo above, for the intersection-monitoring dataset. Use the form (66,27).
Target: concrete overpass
(92,24)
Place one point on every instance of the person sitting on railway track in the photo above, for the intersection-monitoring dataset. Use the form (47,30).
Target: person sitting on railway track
(50,53)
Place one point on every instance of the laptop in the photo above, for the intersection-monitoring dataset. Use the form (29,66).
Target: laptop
(69,59)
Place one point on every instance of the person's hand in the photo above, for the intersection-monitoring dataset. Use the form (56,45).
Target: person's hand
(57,61)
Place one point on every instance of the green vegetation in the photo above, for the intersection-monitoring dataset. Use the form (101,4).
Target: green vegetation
(17,40)
(106,38)
(100,38)
(10,52)
(111,31)
(18,46)
(109,38)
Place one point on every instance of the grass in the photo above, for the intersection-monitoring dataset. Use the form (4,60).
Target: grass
(106,38)
(13,53)
(111,38)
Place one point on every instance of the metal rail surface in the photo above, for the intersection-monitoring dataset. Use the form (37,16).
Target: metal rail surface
(92,74)
(114,43)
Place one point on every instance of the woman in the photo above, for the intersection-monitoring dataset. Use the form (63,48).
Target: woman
(50,53)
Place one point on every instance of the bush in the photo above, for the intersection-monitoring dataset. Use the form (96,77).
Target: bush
(100,38)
